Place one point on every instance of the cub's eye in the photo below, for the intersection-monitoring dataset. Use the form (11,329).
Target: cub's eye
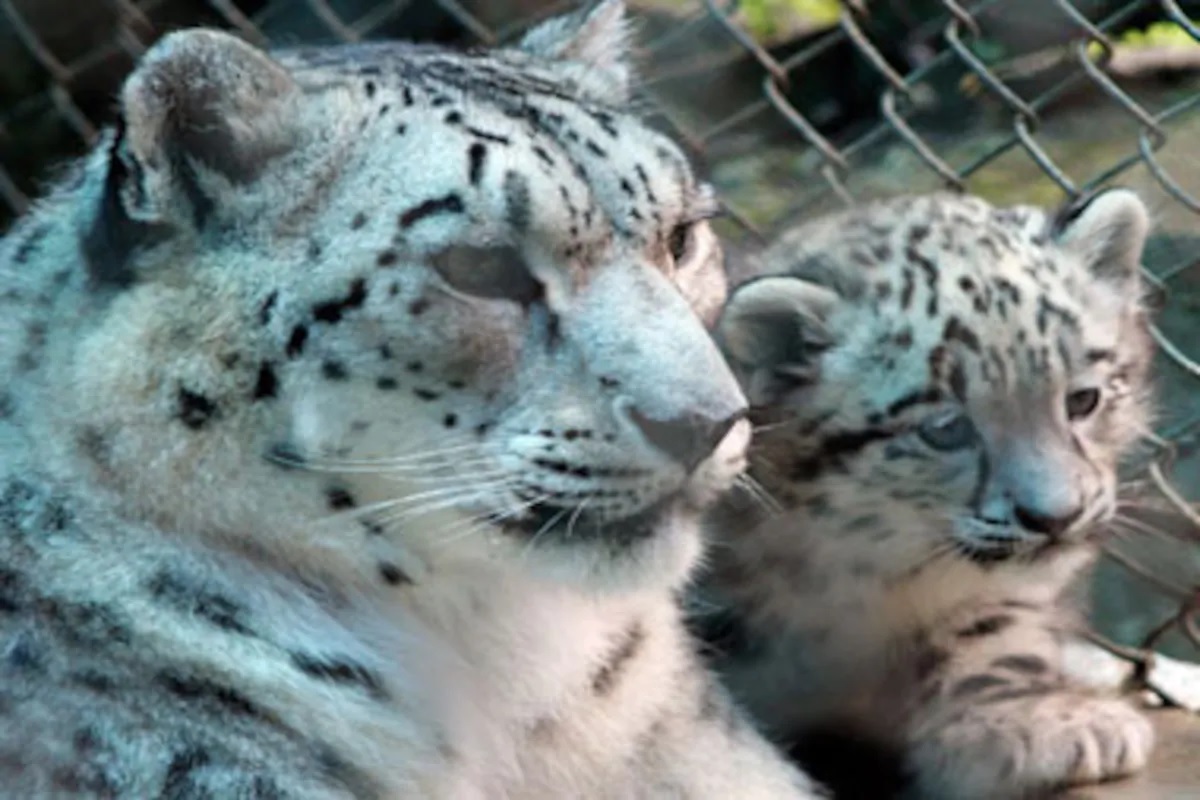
(1081,403)
(947,432)
(679,243)
(498,273)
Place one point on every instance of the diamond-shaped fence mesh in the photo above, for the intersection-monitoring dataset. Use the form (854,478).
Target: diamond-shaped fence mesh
(795,108)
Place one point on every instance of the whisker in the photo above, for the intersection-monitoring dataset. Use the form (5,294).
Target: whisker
(408,457)
(575,518)
(461,531)
(767,427)
(942,549)
(478,525)
(1121,533)
(389,469)
(512,510)
(399,504)
(759,494)
(332,461)
(546,526)
(426,502)
(1134,525)
(939,551)
(1166,586)
(449,501)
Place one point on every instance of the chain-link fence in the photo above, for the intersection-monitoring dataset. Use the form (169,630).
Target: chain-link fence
(1018,100)
(947,115)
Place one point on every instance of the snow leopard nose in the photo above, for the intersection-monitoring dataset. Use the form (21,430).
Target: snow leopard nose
(1045,523)
(688,439)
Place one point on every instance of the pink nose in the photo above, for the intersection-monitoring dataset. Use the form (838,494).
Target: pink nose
(689,439)
(1043,523)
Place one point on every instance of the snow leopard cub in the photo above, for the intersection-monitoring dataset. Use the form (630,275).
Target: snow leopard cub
(943,390)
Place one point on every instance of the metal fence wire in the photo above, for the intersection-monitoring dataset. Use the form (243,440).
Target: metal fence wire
(1018,100)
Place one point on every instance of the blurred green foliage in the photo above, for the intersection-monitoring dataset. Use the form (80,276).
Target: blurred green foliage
(769,20)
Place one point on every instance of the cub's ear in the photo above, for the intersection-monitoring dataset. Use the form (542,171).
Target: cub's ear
(596,37)
(1108,230)
(200,98)
(773,331)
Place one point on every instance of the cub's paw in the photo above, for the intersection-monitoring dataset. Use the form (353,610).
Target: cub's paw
(1007,747)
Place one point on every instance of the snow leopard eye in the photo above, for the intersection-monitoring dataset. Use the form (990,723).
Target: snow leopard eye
(679,242)
(1082,403)
(948,431)
(495,273)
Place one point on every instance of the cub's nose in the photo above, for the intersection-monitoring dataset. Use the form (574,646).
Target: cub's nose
(1044,523)
(688,439)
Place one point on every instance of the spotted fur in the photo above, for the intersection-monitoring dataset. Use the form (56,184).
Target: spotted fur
(943,391)
(358,415)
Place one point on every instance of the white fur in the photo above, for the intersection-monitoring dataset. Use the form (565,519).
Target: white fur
(288,309)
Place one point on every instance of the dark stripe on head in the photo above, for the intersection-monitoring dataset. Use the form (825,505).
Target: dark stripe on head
(955,331)
(1025,664)
(331,311)
(194,409)
(907,285)
(13,587)
(929,660)
(187,596)
(958,382)
(921,397)
(517,200)
(975,684)
(30,241)
(266,385)
(985,626)
(448,204)
(1016,693)
(494,138)
(927,267)
(1008,288)
(110,241)
(1064,353)
(200,690)
(202,205)
(476,155)
(833,450)
(83,623)
(180,780)
(998,373)
(339,770)
(1047,309)
(340,671)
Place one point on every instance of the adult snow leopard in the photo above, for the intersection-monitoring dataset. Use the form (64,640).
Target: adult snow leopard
(356,422)
(944,389)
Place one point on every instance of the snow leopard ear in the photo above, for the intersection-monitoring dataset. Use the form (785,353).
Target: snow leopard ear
(200,100)
(596,37)
(773,330)
(202,112)
(1108,230)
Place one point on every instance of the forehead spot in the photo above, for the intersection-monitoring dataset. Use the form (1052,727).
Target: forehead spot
(447,204)
(956,331)
(476,155)
(517,200)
